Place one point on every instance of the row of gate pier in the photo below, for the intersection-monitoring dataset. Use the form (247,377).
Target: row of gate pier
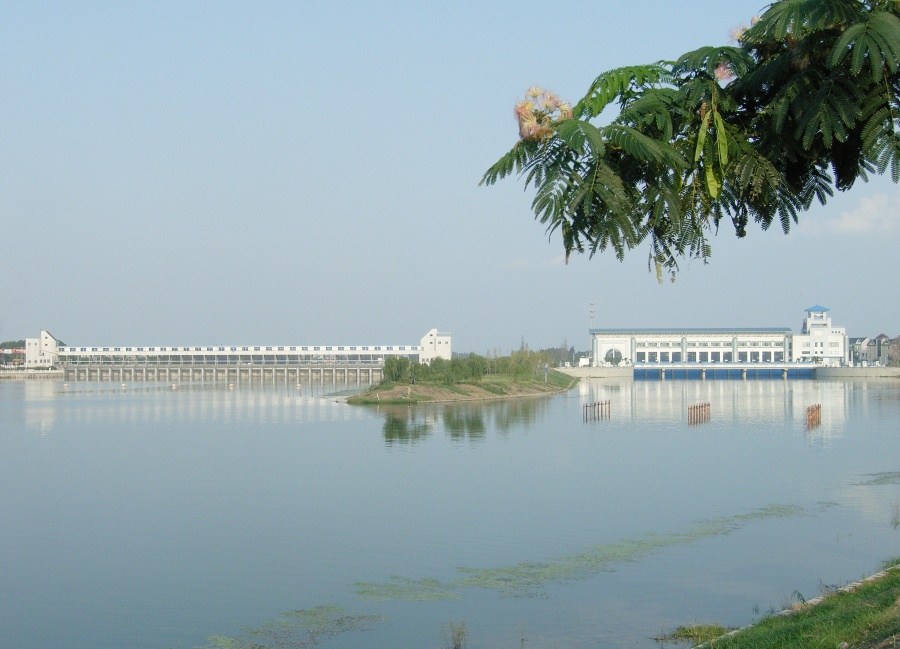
(237,374)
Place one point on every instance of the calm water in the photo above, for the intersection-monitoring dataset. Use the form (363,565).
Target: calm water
(151,518)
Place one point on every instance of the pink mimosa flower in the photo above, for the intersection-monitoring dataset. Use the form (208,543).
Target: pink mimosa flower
(735,34)
(724,73)
(523,109)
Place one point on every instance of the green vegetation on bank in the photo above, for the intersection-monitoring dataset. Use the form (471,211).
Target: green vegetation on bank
(474,377)
(863,616)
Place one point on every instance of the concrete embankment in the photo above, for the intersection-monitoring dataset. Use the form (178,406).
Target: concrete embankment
(599,372)
(820,372)
(858,372)
(28,375)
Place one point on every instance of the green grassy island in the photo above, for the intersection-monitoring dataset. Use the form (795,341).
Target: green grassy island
(523,373)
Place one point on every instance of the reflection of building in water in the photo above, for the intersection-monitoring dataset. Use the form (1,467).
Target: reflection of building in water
(818,341)
(40,411)
(53,405)
(766,402)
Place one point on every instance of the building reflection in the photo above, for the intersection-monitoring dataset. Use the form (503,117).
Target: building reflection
(762,402)
(50,405)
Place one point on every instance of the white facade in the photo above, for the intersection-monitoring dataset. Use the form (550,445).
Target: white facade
(677,346)
(41,353)
(819,341)
(435,344)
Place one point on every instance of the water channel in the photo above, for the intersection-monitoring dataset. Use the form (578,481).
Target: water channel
(149,517)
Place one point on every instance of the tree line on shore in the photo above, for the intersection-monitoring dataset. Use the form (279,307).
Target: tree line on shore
(473,368)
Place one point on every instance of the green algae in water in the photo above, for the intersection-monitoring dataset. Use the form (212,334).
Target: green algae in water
(527,579)
(302,628)
(413,590)
(883,478)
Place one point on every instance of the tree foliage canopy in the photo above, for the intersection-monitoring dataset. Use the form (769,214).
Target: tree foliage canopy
(804,103)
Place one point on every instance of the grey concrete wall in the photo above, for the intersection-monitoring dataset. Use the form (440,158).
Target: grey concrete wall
(599,372)
(857,372)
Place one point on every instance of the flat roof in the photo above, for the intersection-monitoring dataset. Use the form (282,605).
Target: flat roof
(693,330)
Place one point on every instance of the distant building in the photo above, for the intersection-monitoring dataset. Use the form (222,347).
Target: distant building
(888,350)
(689,345)
(818,340)
(47,351)
(435,344)
(41,353)
(863,351)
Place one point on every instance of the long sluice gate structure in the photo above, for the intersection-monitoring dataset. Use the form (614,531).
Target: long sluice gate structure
(302,364)
(237,374)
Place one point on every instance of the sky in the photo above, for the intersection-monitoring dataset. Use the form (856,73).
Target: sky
(183,173)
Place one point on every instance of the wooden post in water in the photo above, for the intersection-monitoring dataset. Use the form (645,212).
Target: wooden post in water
(699,413)
(814,416)
(596,410)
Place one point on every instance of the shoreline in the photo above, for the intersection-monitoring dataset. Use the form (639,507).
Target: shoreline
(424,393)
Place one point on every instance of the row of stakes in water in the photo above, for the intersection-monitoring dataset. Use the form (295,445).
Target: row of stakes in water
(596,410)
(699,413)
(814,416)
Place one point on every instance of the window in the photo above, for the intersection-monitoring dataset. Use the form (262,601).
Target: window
(152,349)
(93,349)
(268,349)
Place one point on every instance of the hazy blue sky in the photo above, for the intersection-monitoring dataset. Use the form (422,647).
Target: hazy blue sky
(307,173)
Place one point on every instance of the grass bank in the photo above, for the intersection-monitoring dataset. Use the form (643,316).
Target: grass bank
(864,615)
(489,387)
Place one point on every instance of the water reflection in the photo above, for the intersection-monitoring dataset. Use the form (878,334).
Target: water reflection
(762,403)
(403,425)
(767,403)
(52,405)
(461,421)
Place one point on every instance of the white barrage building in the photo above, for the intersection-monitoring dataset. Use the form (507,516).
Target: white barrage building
(819,341)
(46,352)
